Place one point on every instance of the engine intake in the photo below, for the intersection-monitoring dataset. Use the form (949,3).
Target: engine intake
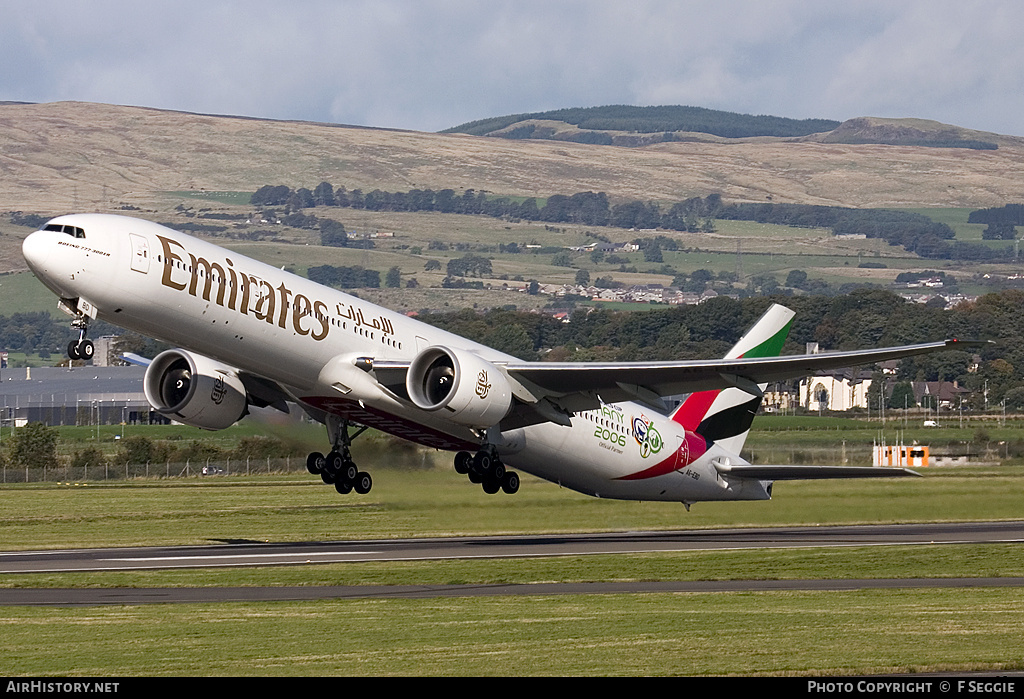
(469,389)
(195,390)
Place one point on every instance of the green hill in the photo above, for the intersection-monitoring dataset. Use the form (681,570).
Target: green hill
(651,120)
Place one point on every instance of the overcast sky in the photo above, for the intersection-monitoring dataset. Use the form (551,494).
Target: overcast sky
(431,64)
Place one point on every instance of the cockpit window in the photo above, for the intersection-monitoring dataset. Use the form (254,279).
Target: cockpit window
(73,231)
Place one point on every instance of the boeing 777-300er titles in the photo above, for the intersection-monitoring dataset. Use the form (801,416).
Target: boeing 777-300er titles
(255,335)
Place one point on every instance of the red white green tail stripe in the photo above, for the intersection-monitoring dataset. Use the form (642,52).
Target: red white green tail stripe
(725,415)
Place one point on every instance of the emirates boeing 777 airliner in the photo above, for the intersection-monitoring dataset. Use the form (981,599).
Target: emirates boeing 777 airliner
(254,335)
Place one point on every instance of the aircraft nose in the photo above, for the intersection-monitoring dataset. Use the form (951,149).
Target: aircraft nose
(35,249)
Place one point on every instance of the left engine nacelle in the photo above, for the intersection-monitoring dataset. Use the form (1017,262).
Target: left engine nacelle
(195,390)
(470,390)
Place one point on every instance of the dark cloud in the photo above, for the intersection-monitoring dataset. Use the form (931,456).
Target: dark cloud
(430,64)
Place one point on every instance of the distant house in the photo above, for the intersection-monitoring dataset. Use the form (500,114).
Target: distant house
(942,394)
(838,391)
(849,389)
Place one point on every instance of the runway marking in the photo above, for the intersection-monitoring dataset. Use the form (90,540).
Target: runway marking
(242,555)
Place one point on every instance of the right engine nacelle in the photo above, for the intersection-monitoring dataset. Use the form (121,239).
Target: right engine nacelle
(195,390)
(470,390)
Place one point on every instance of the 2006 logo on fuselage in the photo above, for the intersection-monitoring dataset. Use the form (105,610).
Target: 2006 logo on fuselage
(647,437)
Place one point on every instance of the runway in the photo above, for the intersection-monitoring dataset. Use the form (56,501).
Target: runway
(304,553)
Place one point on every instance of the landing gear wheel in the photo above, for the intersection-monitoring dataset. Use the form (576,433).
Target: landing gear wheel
(335,461)
(491,486)
(348,473)
(482,462)
(337,468)
(315,463)
(510,483)
(86,350)
(363,483)
(463,461)
(73,350)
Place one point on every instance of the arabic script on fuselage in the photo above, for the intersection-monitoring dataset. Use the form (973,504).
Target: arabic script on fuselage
(248,294)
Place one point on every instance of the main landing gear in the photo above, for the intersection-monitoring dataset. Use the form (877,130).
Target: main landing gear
(485,468)
(83,348)
(337,468)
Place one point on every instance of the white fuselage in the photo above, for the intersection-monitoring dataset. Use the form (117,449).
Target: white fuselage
(304,336)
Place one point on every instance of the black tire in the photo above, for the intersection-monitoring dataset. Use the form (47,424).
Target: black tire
(335,462)
(343,487)
(315,463)
(363,483)
(491,486)
(327,476)
(510,484)
(497,471)
(348,471)
(482,462)
(73,350)
(86,350)
(463,460)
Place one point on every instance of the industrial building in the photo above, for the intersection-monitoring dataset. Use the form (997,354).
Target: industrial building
(85,395)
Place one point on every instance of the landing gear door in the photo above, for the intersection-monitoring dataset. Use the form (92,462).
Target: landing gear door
(140,253)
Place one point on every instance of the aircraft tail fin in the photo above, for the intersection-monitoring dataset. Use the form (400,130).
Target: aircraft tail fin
(724,416)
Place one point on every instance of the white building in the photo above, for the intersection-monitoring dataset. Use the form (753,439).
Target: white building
(841,391)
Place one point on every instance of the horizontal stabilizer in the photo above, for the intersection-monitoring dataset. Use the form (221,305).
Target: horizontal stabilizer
(796,473)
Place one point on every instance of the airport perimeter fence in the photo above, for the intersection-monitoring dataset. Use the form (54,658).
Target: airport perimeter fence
(111,471)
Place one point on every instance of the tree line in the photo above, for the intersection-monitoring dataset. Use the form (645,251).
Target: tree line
(585,208)
(1002,221)
(341,277)
(914,232)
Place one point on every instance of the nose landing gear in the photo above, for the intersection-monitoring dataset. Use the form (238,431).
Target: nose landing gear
(83,348)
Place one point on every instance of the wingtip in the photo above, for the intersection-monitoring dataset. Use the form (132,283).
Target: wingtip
(957,343)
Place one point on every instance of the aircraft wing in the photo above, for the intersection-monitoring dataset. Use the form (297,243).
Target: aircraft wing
(615,382)
(553,391)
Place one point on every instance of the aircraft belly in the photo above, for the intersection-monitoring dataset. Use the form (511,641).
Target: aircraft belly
(396,420)
(576,459)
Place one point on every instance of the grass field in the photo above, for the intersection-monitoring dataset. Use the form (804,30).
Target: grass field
(638,635)
(22,292)
(659,634)
(438,502)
